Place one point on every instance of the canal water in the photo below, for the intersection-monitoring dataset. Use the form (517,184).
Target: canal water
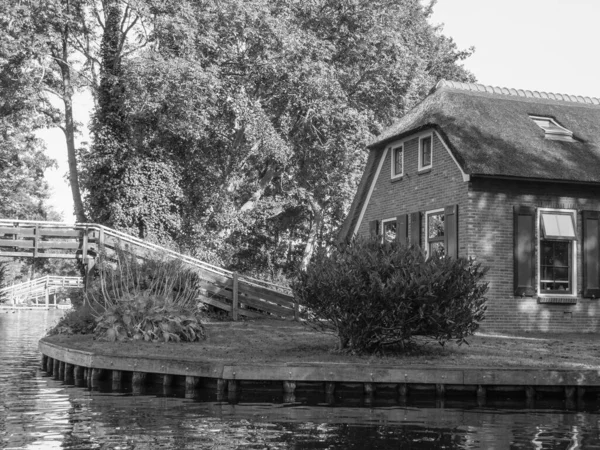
(38,412)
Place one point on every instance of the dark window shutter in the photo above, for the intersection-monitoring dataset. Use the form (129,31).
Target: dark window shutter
(591,254)
(402,229)
(415,228)
(524,251)
(451,230)
(374,228)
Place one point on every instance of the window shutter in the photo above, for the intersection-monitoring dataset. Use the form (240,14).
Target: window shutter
(591,254)
(415,228)
(451,230)
(402,229)
(524,245)
(374,228)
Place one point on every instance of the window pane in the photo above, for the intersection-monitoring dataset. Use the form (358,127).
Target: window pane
(555,266)
(435,223)
(426,152)
(437,247)
(561,253)
(558,225)
(398,160)
(389,231)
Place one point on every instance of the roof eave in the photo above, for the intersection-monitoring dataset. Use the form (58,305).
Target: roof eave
(532,179)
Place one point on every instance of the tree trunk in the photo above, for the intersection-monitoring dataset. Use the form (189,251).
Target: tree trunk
(262,185)
(69,129)
(309,249)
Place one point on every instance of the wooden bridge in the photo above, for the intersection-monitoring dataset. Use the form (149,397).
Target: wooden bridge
(38,290)
(229,291)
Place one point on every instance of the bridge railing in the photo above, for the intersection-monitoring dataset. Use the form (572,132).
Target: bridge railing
(221,288)
(39,287)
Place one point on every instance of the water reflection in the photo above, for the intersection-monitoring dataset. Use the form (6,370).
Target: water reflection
(38,412)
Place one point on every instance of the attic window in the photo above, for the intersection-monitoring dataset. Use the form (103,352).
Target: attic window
(553,130)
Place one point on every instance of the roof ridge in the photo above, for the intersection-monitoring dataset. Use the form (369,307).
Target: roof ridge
(476,87)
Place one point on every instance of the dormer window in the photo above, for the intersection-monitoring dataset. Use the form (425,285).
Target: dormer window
(553,130)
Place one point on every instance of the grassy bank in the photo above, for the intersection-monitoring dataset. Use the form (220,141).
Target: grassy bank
(271,341)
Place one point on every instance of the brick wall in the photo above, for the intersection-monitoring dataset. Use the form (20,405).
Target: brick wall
(490,229)
(441,186)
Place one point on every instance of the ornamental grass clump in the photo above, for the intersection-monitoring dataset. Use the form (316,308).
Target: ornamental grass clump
(375,295)
(150,300)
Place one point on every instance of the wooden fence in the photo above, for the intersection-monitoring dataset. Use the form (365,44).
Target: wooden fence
(238,294)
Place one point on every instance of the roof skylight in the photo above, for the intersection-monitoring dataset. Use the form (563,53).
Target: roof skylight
(553,130)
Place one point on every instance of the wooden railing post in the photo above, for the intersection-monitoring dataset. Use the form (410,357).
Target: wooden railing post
(296,310)
(47,291)
(235,305)
(36,239)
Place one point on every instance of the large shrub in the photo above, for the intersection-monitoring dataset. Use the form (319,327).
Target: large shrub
(375,295)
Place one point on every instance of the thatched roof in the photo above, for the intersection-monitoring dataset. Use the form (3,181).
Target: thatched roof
(491,133)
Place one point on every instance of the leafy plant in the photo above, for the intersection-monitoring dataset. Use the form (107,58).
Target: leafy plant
(80,320)
(150,299)
(375,295)
(149,319)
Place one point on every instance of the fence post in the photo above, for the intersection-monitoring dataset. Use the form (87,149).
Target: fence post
(296,309)
(235,307)
(46,290)
(36,239)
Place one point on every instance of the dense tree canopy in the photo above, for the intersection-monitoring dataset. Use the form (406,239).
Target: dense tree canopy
(253,116)
(22,159)
(235,129)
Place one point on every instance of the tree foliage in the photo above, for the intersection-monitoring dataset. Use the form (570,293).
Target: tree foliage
(22,160)
(374,295)
(257,114)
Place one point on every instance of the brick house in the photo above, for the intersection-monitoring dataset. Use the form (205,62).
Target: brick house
(508,177)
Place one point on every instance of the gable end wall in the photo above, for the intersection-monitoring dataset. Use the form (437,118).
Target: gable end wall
(442,186)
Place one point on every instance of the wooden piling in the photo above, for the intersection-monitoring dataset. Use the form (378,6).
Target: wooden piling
(167,380)
(49,365)
(369,389)
(78,375)
(55,369)
(191,386)
(530,392)
(289,387)
(403,390)
(61,371)
(329,387)
(570,394)
(440,390)
(69,376)
(44,362)
(232,386)
(138,378)
(221,385)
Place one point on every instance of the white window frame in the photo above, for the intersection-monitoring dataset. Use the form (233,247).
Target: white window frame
(420,151)
(573,243)
(383,222)
(560,133)
(393,147)
(427,214)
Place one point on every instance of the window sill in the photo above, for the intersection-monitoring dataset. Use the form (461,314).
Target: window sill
(396,179)
(558,300)
(425,170)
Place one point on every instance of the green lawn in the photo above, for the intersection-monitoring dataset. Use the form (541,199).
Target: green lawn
(272,341)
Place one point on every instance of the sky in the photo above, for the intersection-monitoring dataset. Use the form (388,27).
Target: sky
(542,45)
